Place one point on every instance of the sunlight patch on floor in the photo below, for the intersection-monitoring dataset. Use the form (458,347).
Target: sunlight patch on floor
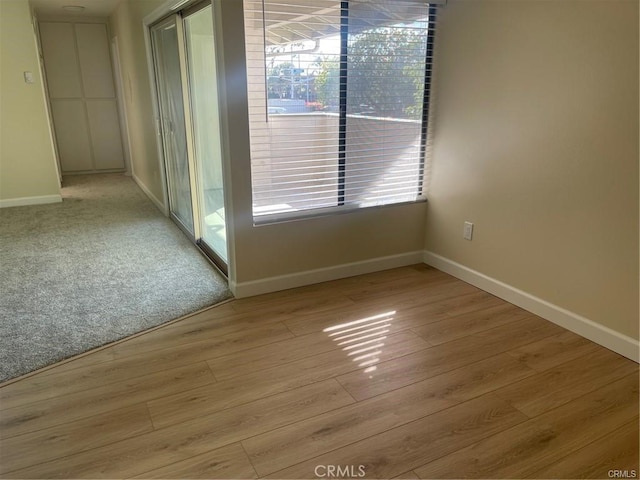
(363,339)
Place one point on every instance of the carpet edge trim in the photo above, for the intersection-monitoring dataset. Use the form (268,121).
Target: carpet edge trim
(108,345)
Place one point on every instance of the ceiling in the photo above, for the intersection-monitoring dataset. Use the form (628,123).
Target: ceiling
(93,8)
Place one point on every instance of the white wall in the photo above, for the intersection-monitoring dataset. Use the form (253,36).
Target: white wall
(536,142)
(28,172)
(126,25)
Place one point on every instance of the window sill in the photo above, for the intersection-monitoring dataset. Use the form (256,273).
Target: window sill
(296,216)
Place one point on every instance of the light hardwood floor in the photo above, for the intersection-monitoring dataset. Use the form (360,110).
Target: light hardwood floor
(408,373)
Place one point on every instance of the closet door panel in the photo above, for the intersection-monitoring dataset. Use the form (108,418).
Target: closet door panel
(95,61)
(60,60)
(105,134)
(72,135)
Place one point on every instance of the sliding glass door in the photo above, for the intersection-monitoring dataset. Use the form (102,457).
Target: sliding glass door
(203,88)
(187,85)
(172,121)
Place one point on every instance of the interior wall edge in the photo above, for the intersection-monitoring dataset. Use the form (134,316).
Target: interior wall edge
(156,201)
(126,24)
(45,92)
(326,274)
(589,329)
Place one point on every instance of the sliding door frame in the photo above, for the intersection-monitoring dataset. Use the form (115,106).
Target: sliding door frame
(197,208)
(195,164)
(188,125)
(166,22)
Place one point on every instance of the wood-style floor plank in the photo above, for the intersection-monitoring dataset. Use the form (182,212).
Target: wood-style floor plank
(73,437)
(397,373)
(56,411)
(408,372)
(392,452)
(617,450)
(301,304)
(521,451)
(194,330)
(553,351)
(410,309)
(289,445)
(556,386)
(200,401)
(407,476)
(271,355)
(460,326)
(163,447)
(225,462)
(381,287)
(133,366)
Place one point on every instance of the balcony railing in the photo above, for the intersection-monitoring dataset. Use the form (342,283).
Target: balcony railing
(298,169)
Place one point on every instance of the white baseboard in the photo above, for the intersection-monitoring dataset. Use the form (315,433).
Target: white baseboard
(160,204)
(584,327)
(309,277)
(23,201)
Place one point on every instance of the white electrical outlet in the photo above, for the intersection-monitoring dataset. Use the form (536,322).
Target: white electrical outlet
(467,233)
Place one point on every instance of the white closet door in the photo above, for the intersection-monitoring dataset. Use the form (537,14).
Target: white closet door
(72,135)
(60,60)
(95,61)
(83,98)
(105,134)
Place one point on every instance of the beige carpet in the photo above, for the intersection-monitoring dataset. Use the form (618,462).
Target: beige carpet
(101,265)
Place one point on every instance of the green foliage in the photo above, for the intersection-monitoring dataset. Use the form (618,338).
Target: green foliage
(416,72)
(327,83)
(385,74)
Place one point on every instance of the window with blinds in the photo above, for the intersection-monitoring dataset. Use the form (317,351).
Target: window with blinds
(338,103)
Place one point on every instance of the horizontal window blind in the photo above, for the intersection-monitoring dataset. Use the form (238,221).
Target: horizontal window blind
(338,103)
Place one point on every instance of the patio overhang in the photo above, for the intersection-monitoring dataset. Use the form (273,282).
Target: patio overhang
(311,20)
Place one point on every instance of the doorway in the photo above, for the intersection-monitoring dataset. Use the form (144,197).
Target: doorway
(184,57)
